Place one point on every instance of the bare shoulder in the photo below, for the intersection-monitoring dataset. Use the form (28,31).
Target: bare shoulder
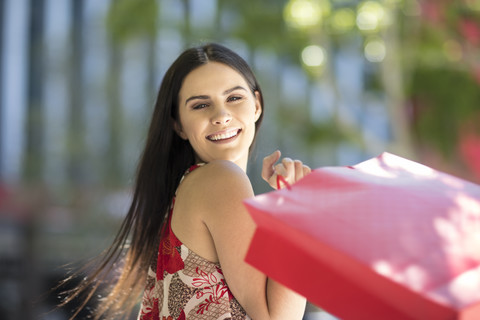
(218,170)
(222,188)
(205,200)
(218,179)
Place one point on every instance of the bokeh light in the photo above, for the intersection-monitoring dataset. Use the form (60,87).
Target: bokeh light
(305,13)
(313,56)
(343,20)
(371,15)
(375,50)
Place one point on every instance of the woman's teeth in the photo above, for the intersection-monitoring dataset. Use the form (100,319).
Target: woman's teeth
(223,136)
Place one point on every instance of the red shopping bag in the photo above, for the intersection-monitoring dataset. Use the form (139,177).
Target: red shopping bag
(385,239)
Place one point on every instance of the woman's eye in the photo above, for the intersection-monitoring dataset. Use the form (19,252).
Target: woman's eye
(200,106)
(234,98)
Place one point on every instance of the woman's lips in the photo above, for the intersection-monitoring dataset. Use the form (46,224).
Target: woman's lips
(223,135)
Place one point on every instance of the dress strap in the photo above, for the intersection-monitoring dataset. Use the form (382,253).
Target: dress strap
(195,166)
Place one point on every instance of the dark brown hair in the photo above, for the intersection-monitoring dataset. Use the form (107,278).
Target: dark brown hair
(164,160)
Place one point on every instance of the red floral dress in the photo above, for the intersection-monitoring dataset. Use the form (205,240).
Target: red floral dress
(183,285)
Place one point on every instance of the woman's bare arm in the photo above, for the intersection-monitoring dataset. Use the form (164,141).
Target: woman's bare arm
(220,188)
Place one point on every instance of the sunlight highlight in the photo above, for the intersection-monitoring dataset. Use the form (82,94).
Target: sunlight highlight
(375,50)
(465,286)
(313,56)
(407,165)
(371,15)
(303,13)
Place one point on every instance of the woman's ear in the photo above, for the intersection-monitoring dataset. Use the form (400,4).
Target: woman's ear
(178,129)
(258,105)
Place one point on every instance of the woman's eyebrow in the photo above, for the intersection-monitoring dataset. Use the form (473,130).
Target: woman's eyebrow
(200,97)
(196,97)
(233,89)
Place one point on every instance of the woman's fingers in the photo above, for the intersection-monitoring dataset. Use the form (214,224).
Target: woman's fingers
(299,174)
(290,170)
(268,165)
(306,170)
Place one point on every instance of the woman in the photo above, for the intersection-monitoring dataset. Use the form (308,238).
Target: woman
(206,117)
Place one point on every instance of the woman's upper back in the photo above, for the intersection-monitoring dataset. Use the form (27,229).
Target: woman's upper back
(200,200)
(181,283)
(211,219)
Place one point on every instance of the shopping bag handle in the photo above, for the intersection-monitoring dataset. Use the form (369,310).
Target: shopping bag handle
(280,178)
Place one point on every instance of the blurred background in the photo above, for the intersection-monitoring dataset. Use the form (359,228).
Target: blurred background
(343,81)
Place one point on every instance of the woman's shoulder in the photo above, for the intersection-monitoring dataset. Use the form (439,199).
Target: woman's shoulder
(216,180)
(219,173)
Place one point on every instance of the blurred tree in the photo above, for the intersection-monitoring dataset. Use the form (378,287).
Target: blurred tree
(114,171)
(445,82)
(261,25)
(34,159)
(131,19)
(127,21)
(429,65)
(76,134)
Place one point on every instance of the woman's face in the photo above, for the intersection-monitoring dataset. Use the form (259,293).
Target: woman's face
(218,112)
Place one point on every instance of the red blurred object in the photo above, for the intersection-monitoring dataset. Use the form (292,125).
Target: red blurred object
(470,150)
(385,239)
(476,74)
(433,11)
(470,30)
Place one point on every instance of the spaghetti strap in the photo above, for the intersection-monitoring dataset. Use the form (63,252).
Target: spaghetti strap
(195,166)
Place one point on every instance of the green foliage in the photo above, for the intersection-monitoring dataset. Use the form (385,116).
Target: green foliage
(262,26)
(129,19)
(443,90)
(443,101)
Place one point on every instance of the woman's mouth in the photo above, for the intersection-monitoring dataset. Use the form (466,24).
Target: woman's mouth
(224,135)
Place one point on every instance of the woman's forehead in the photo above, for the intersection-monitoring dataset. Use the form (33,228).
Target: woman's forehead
(212,77)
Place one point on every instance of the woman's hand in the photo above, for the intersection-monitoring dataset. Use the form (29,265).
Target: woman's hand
(291,170)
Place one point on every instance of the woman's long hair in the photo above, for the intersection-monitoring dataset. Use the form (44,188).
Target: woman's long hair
(164,160)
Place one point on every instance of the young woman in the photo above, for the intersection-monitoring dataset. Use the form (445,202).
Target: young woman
(188,227)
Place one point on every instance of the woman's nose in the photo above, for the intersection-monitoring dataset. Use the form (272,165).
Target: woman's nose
(221,116)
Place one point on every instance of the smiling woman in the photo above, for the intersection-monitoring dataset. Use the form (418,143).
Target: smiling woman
(219,114)
(187,228)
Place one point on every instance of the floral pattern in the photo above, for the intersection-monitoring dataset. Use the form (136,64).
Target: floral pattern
(182,285)
(169,259)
